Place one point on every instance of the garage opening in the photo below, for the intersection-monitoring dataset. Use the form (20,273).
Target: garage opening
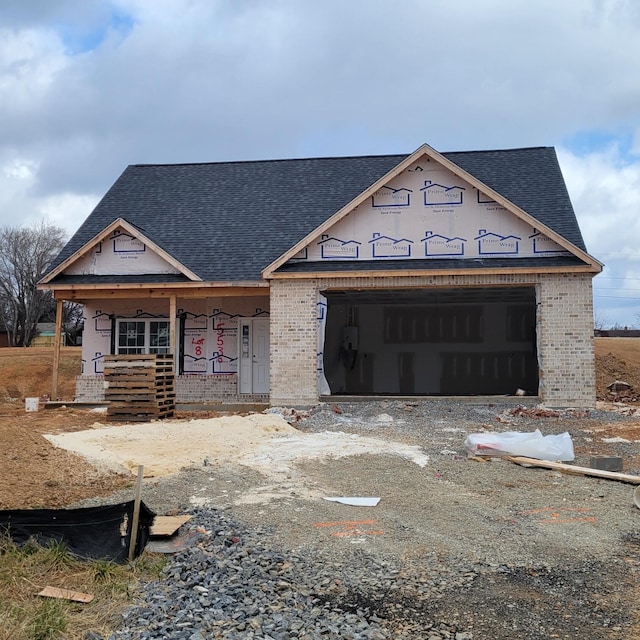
(457,341)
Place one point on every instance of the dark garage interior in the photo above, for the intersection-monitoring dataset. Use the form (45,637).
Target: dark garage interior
(435,341)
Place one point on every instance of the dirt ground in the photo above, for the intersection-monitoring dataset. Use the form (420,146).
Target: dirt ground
(37,474)
(586,586)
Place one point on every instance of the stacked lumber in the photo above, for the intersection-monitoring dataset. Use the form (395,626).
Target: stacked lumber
(139,387)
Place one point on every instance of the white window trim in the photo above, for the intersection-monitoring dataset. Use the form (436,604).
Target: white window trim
(122,350)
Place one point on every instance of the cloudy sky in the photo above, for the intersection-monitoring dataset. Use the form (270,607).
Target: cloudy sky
(90,86)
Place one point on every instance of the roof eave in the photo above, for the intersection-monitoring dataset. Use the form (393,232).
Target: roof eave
(68,291)
(393,273)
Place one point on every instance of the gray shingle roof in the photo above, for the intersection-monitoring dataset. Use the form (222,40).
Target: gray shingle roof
(228,221)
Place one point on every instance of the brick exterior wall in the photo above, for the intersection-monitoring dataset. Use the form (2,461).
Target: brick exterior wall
(188,389)
(293,374)
(90,388)
(564,331)
(564,334)
(565,341)
(197,388)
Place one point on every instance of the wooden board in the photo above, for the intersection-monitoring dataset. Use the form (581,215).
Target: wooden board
(130,397)
(136,390)
(129,387)
(133,407)
(66,594)
(149,366)
(167,525)
(126,415)
(574,470)
(136,418)
(129,374)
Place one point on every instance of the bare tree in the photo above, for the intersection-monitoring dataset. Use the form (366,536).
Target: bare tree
(25,254)
(72,321)
(600,320)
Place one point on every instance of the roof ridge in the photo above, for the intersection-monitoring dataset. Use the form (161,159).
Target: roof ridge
(272,160)
(334,157)
(446,153)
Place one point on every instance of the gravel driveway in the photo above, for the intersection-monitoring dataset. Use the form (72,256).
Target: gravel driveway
(455,549)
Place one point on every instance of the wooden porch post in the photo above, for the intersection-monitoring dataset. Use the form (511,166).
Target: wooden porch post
(56,349)
(173,307)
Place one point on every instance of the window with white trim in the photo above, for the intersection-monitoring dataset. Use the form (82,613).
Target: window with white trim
(142,335)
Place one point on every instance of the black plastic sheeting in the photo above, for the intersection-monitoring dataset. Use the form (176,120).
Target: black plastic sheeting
(88,533)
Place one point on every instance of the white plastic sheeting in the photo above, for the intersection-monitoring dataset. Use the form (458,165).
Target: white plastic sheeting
(531,445)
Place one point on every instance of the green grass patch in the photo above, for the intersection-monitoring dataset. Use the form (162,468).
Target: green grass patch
(26,570)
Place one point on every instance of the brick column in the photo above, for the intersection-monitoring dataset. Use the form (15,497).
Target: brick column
(565,341)
(293,324)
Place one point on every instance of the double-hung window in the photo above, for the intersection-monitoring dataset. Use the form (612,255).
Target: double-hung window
(142,336)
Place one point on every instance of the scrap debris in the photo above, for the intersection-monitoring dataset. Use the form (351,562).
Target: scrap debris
(66,594)
(292,416)
(535,412)
(573,469)
(607,463)
(168,525)
(356,501)
(168,534)
(506,417)
(620,391)
(545,412)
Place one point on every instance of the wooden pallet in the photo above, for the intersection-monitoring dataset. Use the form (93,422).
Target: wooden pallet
(139,387)
(139,414)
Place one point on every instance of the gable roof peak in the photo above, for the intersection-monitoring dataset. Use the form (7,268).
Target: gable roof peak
(185,208)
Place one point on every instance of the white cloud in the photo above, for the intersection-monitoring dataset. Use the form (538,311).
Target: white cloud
(22,207)
(17,176)
(605,190)
(66,210)
(18,170)
(30,62)
(88,88)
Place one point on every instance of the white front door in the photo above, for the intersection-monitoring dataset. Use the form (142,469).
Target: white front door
(254,355)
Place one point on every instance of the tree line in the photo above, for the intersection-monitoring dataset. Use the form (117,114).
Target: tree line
(25,255)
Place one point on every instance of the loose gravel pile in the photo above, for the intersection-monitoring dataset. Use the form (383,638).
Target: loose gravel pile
(467,550)
(227,584)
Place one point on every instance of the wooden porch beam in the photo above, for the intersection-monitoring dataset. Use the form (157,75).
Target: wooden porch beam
(173,307)
(56,349)
(78,294)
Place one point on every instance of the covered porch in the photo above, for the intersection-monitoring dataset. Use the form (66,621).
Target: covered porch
(218,335)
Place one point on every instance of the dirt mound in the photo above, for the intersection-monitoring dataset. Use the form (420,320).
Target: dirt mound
(617,359)
(27,372)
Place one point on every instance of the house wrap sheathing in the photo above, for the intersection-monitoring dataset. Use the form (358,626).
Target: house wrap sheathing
(289,281)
